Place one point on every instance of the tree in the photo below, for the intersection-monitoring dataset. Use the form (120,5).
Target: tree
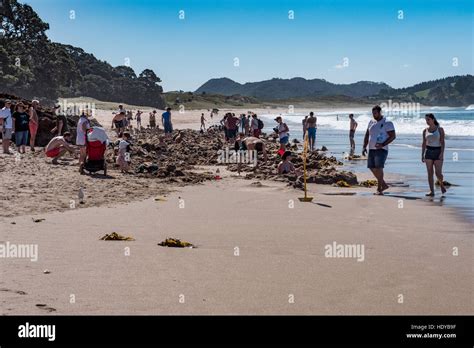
(149,77)
(34,67)
(125,71)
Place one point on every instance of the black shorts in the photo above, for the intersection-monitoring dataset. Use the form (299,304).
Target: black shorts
(119,124)
(351,133)
(231,133)
(433,153)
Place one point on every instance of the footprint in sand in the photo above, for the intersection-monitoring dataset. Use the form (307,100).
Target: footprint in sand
(19,292)
(45,307)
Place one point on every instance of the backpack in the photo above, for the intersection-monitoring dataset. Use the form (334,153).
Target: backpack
(260,124)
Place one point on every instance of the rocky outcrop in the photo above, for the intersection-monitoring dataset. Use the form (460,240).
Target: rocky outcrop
(154,155)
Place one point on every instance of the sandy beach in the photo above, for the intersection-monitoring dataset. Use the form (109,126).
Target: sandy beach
(258,249)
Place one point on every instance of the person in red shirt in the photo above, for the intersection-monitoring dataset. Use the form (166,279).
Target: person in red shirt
(232,127)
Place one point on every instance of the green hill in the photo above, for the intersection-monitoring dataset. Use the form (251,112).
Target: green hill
(190,100)
(297,87)
(450,91)
(34,67)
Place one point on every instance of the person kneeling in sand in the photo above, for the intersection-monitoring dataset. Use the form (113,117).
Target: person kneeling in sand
(285,166)
(250,144)
(58,146)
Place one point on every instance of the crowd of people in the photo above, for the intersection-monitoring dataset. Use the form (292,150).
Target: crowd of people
(243,132)
(379,134)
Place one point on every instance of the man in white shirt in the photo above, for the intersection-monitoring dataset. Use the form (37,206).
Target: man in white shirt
(121,109)
(380,133)
(6,126)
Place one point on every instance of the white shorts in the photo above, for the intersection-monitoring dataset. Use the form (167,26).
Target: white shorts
(80,141)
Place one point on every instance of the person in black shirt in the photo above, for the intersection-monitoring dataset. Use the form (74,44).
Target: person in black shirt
(21,121)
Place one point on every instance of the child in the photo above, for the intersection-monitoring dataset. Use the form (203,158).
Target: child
(21,121)
(123,158)
(285,166)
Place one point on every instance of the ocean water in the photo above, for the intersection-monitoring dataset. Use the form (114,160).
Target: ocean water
(405,152)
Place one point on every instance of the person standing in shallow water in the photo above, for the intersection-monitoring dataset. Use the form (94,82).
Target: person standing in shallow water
(352,130)
(311,130)
(380,133)
(432,152)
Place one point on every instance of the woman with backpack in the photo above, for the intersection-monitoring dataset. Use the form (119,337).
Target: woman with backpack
(256,126)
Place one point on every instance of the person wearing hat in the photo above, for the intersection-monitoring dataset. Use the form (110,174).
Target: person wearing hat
(282,133)
(21,121)
(34,123)
(6,125)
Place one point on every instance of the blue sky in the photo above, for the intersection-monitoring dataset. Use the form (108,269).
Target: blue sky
(187,52)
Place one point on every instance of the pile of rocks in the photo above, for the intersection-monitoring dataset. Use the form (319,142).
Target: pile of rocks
(321,168)
(154,155)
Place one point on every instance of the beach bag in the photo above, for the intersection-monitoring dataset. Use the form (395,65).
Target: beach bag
(260,124)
